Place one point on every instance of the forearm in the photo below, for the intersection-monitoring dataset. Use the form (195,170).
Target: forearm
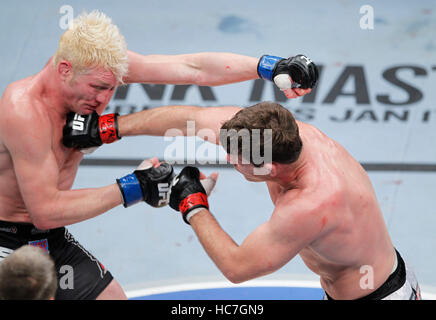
(72,206)
(177,120)
(224,252)
(158,121)
(204,69)
(223,68)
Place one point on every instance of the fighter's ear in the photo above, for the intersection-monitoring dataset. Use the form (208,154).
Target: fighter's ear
(272,168)
(65,69)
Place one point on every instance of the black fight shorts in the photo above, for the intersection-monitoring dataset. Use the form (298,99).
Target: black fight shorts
(80,275)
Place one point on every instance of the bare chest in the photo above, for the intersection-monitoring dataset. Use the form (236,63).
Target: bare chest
(67,159)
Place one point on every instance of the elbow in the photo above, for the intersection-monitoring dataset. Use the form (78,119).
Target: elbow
(240,273)
(41,220)
(41,223)
(236,267)
(235,280)
(205,79)
(200,80)
(46,212)
(235,277)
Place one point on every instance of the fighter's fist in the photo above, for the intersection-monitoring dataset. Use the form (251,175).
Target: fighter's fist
(92,130)
(294,72)
(150,182)
(187,193)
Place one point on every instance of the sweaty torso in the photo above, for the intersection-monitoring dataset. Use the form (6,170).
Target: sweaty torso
(354,240)
(26,94)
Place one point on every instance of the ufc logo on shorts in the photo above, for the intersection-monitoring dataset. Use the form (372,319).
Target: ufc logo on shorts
(78,122)
(164,193)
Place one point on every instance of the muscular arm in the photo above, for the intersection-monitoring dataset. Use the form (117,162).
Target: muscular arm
(203,69)
(266,249)
(37,173)
(157,121)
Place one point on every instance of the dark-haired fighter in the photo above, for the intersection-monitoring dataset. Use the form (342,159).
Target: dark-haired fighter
(326,210)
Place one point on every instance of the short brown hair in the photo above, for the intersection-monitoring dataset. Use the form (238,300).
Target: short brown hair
(285,141)
(28,273)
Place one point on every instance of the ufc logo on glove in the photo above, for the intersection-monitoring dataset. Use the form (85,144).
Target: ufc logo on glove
(164,193)
(78,122)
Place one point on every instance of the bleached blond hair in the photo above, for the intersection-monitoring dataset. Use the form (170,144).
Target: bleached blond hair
(92,40)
